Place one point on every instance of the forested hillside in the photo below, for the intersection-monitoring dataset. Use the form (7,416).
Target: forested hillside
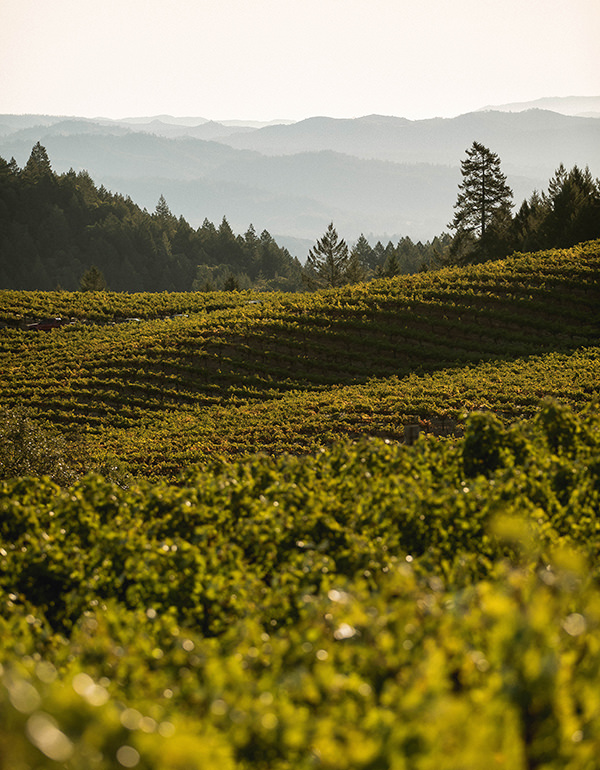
(55,227)
(60,231)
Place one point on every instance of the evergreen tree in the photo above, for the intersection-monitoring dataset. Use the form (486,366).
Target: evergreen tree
(327,260)
(528,223)
(162,210)
(228,250)
(379,256)
(53,227)
(166,224)
(391,266)
(568,213)
(39,163)
(206,278)
(92,280)
(231,283)
(364,253)
(437,252)
(574,208)
(355,271)
(251,238)
(483,205)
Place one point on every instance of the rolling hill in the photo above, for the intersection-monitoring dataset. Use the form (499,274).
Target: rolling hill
(237,373)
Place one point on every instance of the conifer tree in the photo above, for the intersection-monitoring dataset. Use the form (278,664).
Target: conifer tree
(92,280)
(231,283)
(364,252)
(391,266)
(528,223)
(327,260)
(573,207)
(483,205)
(568,213)
(162,210)
(355,271)
(39,163)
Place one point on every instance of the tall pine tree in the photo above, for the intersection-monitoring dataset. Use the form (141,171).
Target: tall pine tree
(38,164)
(483,207)
(327,260)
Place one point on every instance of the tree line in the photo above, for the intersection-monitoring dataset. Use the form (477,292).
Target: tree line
(61,231)
(483,226)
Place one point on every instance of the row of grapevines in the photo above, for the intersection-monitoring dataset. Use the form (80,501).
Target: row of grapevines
(172,394)
(256,348)
(303,421)
(526,276)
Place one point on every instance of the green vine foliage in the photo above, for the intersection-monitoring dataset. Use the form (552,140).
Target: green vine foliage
(217,550)
(236,373)
(29,449)
(370,605)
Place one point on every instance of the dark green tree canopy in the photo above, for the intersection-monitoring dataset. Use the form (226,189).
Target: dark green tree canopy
(483,206)
(568,213)
(54,227)
(363,252)
(483,191)
(355,270)
(328,259)
(162,210)
(38,163)
(92,280)
(573,202)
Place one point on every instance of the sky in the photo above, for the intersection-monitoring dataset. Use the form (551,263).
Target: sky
(292,59)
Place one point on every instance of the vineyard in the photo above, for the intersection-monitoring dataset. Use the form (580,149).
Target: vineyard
(282,577)
(235,373)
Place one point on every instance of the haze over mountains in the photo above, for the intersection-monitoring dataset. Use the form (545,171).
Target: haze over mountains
(384,176)
(582,106)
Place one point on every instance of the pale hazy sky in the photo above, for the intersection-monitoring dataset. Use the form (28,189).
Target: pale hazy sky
(270,59)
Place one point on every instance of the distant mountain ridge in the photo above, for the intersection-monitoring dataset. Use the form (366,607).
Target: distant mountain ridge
(525,141)
(382,175)
(581,106)
(161,125)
